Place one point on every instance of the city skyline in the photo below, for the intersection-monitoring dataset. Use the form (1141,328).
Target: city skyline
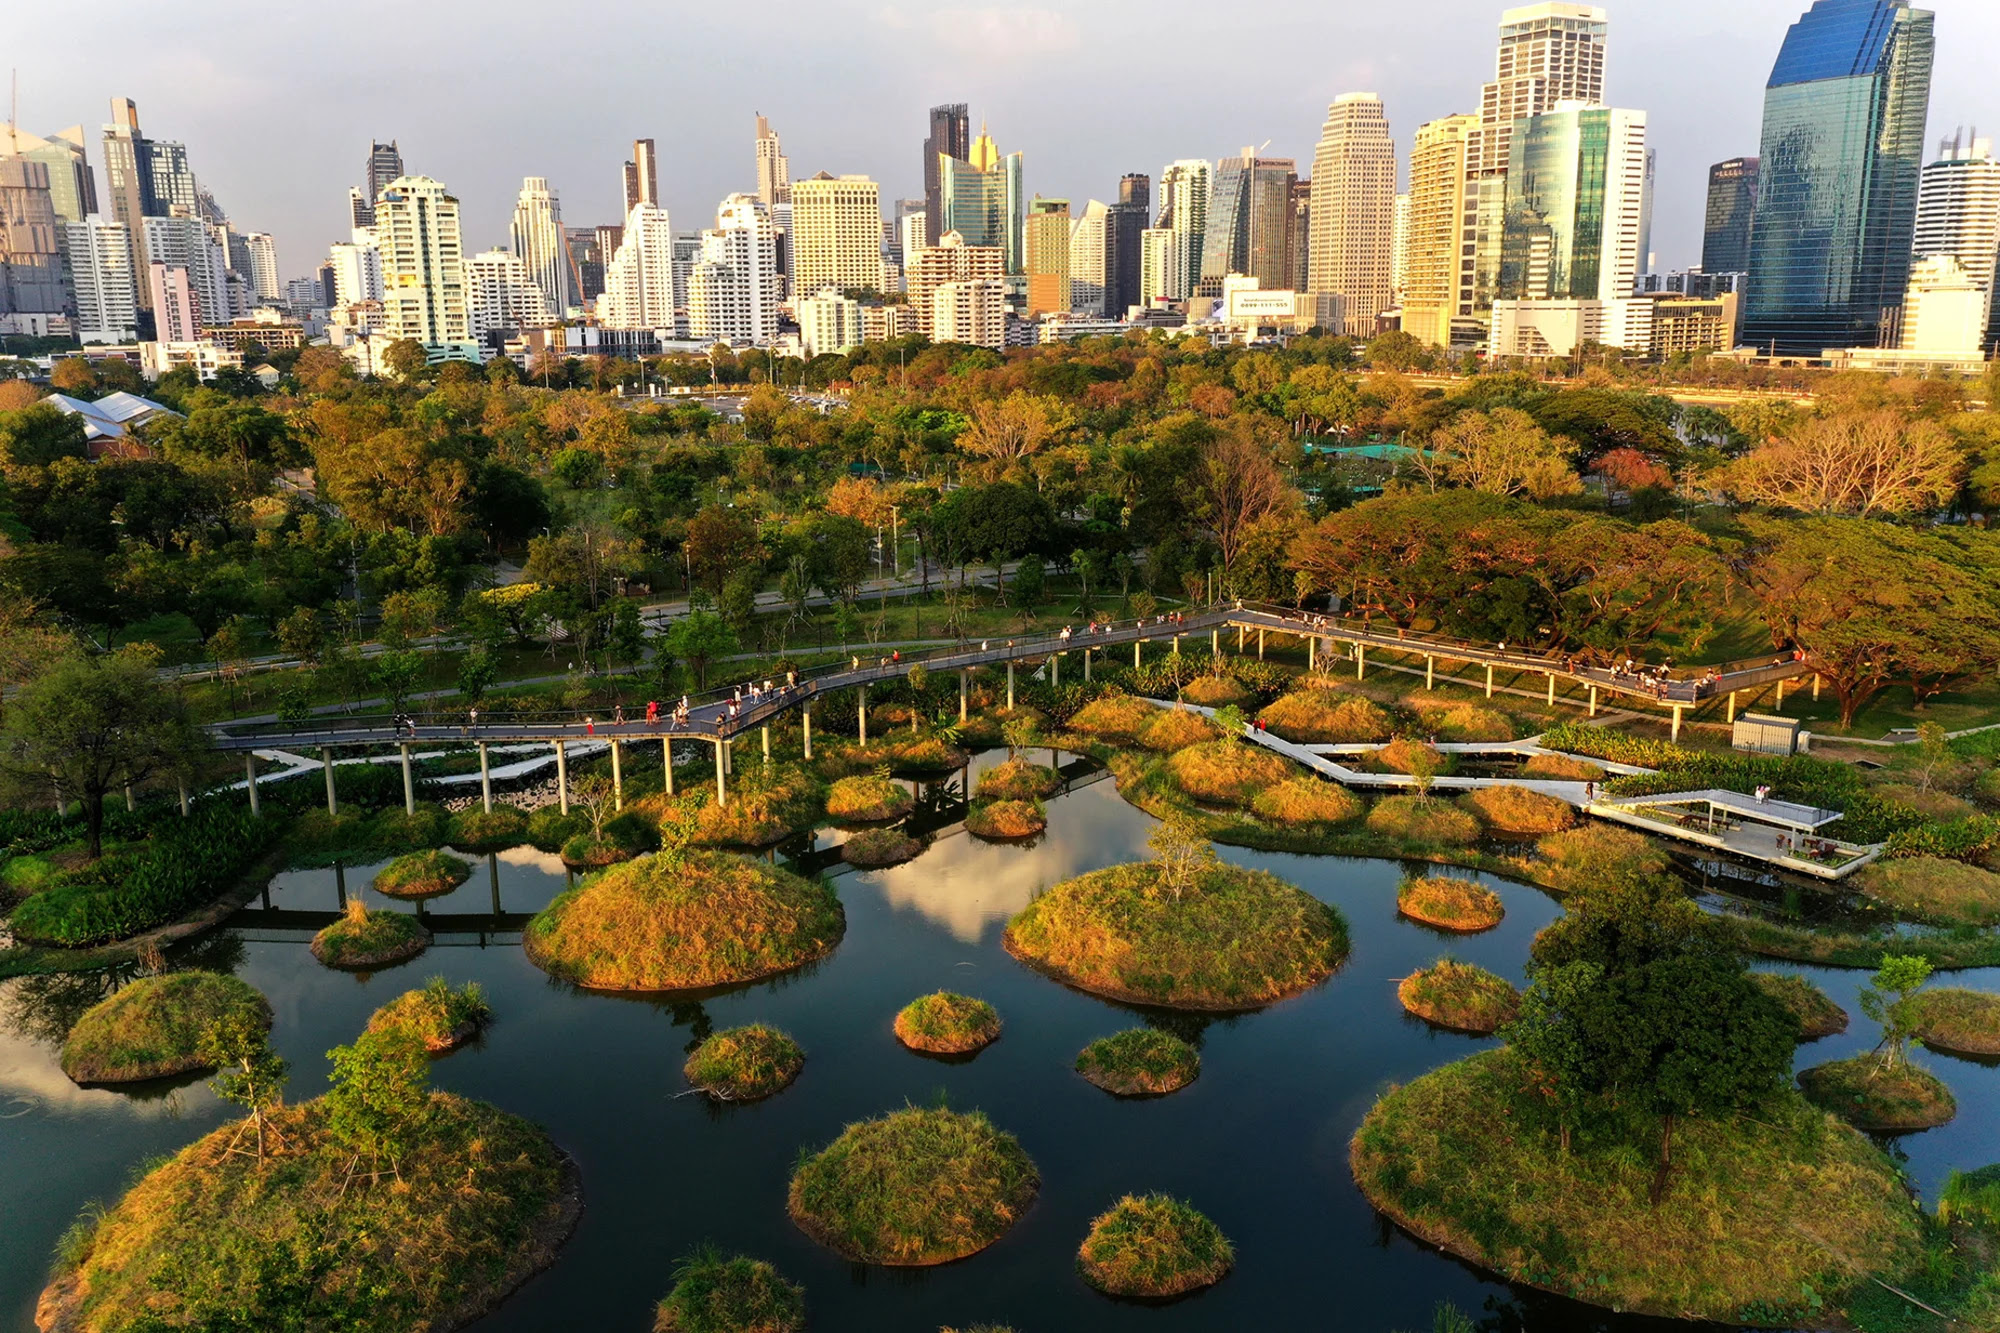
(1699,72)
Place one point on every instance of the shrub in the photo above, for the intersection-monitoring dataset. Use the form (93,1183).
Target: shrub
(1407,755)
(363,939)
(397,831)
(1619,748)
(1228,772)
(1006,820)
(947,1024)
(153,1027)
(1595,854)
(1971,1198)
(735,1295)
(1459,996)
(1177,728)
(1154,1247)
(1970,839)
(1306,800)
(1466,722)
(549,828)
(867,798)
(588,851)
(1561,768)
(436,1015)
(1933,890)
(474,830)
(1417,820)
(1218,692)
(745,1064)
(1326,717)
(1116,717)
(1018,780)
(422,875)
(1450,903)
(913,1188)
(923,755)
(1817,1016)
(1520,810)
(880,847)
(1139,1062)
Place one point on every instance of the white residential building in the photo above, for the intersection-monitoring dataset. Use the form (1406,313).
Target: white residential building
(734,292)
(1087,236)
(639,287)
(98,254)
(836,234)
(1184,191)
(1958,214)
(829,322)
(1163,271)
(503,294)
(357,272)
(538,239)
(1945,310)
(423,268)
(1353,219)
(188,243)
(263,254)
(177,315)
(974,313)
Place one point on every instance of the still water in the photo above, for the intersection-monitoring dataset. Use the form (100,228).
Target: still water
(1259,1142)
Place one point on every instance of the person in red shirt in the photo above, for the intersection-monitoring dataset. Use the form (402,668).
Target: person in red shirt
(652,711)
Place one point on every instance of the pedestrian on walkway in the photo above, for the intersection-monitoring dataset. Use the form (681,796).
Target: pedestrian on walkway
(589,726)
(472,721)
(618,715)
(652,712)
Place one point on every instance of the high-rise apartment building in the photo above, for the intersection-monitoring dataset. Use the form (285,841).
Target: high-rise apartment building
(188,243)
(423,268)
(1087,251)
(31,267)
(972,312)
(537,235)
(586,261)
(1576,191)
(1250,223)
(951,260)
(1048,256)
(982,199)
(1163,274)
(830,323)
(98,253)
(1440,265)
(128,173)
(385,164)
(357,273)
(774,173)
(72,184)
(950,137)
(1732,207)
(1124,230)
(734,292)
(503,295)
(1958,214)
(1136,187)
(1399,248)
(1184,190)
(175,190)
(177,313)
(1843,143)
(261,249)
(639,288)
(836,234)
(642,175)
(1353,218)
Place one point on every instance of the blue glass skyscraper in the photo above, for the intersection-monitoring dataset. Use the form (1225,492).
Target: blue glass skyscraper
(1843,151)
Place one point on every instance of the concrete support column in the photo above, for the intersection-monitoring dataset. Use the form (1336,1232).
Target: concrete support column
(964,695)
(617,776)
(1055,670)
(1732,706)
(1360,661)
(485,780)
(1239,641)
(1010,687)
(130,804)
(1677,721)
(721,774)
(1489,680)
(1593,701)
(1430,672)
(861,694)
(1135,653)
(1215,642)
(1312,654)
(1815,687)
(1260,643)
(326,767)
(1177,645)
(806,728)
(250,773)
(767,742)
(184,798)
(409,783)
(1086,666)
(1552,688)
(1781,694)
(667,762)
(562,775)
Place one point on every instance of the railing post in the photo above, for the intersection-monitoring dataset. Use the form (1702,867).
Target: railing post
(721,775)
(250,773)
(409,782)
(326,763)
(617,777)
(485,780)
(562,776)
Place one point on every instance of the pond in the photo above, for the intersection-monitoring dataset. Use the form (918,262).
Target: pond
(1259,1142)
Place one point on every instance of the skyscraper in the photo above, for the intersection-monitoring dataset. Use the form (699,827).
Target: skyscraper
(1732,207)
(950,261)
(1958,214)
(1184,188)
(1399,248)
(774,173)
(98,253)
(72,184)
(423,268)
(1352,244)
(642,175)
(639,290)
(836,235)
(1048,255)
(733,292)
(261,249)
(502,295)
(1086,259)
(982,200)
(1162,266)
(950,137)
(188,243)
(1576,187)
(357,273)
(1136,187)
(31,268)
(1124,230)
(385,163)
(537,236)
(1843,144)
(128,171)
(177,313)
(1249,223)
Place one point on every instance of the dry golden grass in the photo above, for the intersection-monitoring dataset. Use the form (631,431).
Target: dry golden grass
(1933,890)
(744,1064)
(422,874)
(1004,821)
(1154,1248)
(1327,717)
(1306,800)
(1935,803)
(704,919)
(1228,772)
(1519,810)
(1459,996)
(1115,717)
(1562,768)
(1414,819)
(880,847)
(766,805)
(1218,692)
(947,1024)
(1018,780)
(153,1027)
(1139,1062)
(436,1015)
(1817,1015)
(1466,723)
(867,799)
(362,939)
(1449,902)
(1592,854)
(1405,753)
(1963,1022)
(1888,1101)
(1177,729)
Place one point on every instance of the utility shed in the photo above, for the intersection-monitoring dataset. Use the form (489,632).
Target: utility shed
(1760,733)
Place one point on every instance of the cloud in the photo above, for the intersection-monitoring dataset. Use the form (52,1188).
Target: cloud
(990,32)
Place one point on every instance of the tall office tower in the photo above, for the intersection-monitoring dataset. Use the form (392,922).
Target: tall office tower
(502,295)
(128,173)
(1732,208)
(950,137)
(1087,245)
(734,291)
(1136,188)
(1958,214)
(98,253)
(1352,243)
(1184,188)
(1250,223)
(175,190)
(1842,157)
(423,268)
(1048,256)
(774,173)
(982,200)
(72,184)
(31,267)
(950,260)
(1124,228)
(896,233)
(385,163)
(537,236)
(177,313)
(1162,266)
(188,243)
(1439,271)
(642,175)
(586,262)
(1302,208)
(264,280)
(836,234)
(687,254)
(357,273)
(1576,187)
(639,290)
(1549,53)
(360,210)
(1399,249)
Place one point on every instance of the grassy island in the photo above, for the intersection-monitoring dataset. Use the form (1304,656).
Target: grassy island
(684,922)
(1218,691)
(1449,902)
(1004,821)
(745,1064)
(1327,717)
(478,830)
(1961,1022)
(441,1018)
(880,847)
(1304,801)
(1817,1015)
(766,806)
(214,1239)
(362,939)
(1139,1062)
(1519,810)
(422,874)
(1562,768)
(1420,819)
(1227,772)
(1933,890)
(1596,853)
(947,1024)
(713,1294)
(1116,717)
(1233,939)
(1177,728)
(1018,780)
(1154,1248)
(1459,997)
(914,1188)
(594,851)
(1869,1095)
(1757,1201)
(868,799)
(153,1027)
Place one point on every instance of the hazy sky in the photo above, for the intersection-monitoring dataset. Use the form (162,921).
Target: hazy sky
(277,102)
